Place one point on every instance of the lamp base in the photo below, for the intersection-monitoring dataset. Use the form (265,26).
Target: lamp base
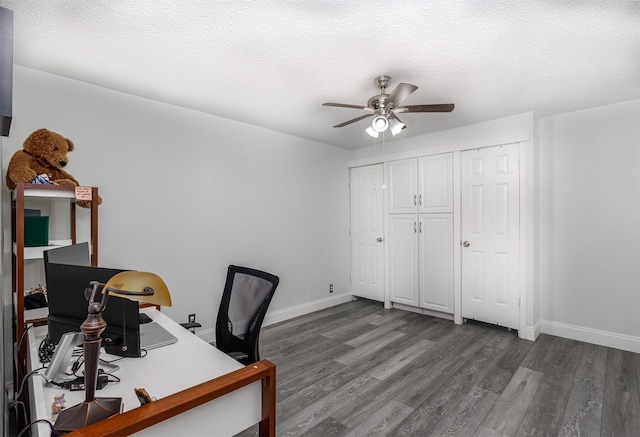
(86,413)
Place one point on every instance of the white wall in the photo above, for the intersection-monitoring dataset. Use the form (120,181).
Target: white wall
(590,225)
(186,193)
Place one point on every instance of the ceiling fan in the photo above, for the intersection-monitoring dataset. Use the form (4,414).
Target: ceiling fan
(385,107)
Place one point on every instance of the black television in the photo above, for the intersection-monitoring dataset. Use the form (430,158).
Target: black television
(66,285)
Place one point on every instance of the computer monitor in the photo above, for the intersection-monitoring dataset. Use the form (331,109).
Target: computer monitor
(66,285)
(74,254)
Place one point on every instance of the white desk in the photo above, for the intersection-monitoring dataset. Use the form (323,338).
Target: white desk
(163,371)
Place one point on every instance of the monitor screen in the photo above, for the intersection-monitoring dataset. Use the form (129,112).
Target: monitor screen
(66,285)
(75,254)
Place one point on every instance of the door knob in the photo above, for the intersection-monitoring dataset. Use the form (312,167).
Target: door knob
(465,244)
(379,239)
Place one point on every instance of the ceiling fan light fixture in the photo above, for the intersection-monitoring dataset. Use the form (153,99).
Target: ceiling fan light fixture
(371,132)
(396,127)
(380,123)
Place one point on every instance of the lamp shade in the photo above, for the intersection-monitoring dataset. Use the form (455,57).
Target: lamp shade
(371,132)
(396,126)
(135,286)
(380,123)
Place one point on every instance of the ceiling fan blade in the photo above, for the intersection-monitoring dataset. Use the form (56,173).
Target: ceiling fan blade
(402,91)
(344,105)
(444,107)
(354,120)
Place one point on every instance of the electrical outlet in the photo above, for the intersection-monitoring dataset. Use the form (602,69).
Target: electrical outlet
(330,288)
(192,318)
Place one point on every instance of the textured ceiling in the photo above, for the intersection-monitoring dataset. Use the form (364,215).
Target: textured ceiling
(272,63)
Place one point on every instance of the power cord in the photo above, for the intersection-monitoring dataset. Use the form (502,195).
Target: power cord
(22,337)
(28,427)
(46,350)
(17,402)
(24,379)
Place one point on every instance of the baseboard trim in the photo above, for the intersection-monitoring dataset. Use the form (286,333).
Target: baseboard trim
(588,335)
(531,332)
(422,311)
(305,308)
(277,316)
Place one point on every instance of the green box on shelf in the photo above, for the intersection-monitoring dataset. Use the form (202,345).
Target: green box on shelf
(36,231)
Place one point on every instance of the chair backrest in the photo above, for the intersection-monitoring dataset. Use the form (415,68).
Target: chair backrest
(245,299)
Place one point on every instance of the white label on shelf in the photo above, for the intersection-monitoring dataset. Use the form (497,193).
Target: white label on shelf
(83,193)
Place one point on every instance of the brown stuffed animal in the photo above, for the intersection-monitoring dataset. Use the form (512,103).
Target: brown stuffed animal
(44,152)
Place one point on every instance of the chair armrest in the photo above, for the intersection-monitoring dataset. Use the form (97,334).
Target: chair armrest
(191,325)
(238,356)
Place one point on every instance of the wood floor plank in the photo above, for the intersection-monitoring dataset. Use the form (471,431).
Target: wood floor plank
(328,427)
(292,385)
(501,371)
(541,353)
(401,359)
(430,413)
(432,328)
(545,412)
(445,360)
(620,415)
(383,421)
(483,431)
(583,414)
(621,370)
(368,348)
(470,374)
(513,356)
(375,333)
(301,360)
(621,406)
(395,314)
(309,417)
(561,368)
(511,406)
(357,322)
(495,380)
(466,417)
(380,395)
(638,370)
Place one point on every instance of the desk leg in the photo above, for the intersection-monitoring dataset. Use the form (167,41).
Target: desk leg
(268,422)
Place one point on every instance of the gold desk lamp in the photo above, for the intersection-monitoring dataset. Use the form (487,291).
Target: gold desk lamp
(137,286)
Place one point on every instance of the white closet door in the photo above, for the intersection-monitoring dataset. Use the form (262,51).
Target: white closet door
(367,246)
(435,183)
(403,186)
(436,262)
(491,235)
(403,259)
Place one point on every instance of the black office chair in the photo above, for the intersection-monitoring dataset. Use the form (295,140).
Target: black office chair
(245,299)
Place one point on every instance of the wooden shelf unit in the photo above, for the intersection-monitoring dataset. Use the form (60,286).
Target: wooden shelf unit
(19,195)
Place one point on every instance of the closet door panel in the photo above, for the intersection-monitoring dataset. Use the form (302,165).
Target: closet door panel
(436,262)
(435,179)
(402,186)
(403,259)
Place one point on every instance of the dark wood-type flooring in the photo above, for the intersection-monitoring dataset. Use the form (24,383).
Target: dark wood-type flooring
(360,370)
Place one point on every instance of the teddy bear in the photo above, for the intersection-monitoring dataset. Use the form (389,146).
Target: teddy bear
(44,152)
